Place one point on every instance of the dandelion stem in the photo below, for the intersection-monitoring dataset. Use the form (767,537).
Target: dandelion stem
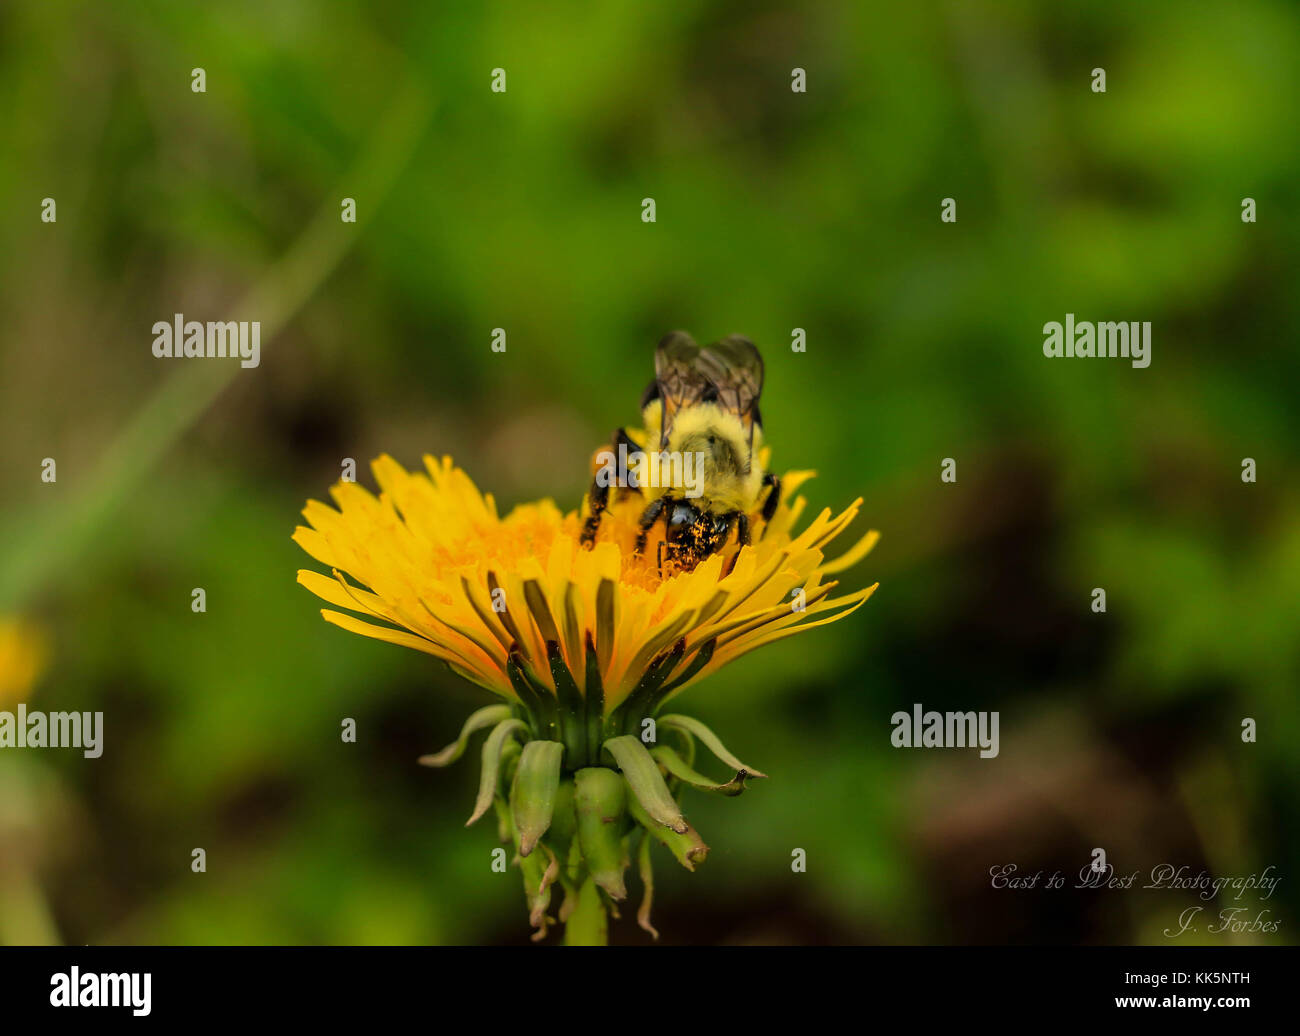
(588,925)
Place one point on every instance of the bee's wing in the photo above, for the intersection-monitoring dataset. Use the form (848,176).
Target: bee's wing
(735,370)
(679,380)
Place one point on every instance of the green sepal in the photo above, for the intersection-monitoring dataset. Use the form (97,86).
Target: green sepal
(646,869)
(593,700)
(573,725)
(711,741)
(484,717)
(701,659)
(487,781)
(570,901)
(573,867)
(686,744)
(600,800)
(679,768)
(540,871)
(647,784)
(506,769)
(532,798)
(687,846)
(505,825)
(644,697)
(537,699)
(564,822)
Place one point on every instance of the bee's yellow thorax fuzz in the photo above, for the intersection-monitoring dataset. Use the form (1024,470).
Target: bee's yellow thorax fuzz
(719,445)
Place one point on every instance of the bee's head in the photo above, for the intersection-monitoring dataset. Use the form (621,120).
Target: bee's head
(693,533)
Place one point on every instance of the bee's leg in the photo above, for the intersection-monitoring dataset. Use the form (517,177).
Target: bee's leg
(629,448)
(598,497)
(659,557)
(648,517)
(741,522)
(773,496)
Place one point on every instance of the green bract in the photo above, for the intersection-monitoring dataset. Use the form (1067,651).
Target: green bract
(579,793)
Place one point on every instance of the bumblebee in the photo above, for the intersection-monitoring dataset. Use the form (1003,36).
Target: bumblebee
(699,467)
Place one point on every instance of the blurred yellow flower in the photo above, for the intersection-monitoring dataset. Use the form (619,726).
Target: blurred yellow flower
(23,652)
(441,572)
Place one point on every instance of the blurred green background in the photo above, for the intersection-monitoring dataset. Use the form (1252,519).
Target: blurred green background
(776,211)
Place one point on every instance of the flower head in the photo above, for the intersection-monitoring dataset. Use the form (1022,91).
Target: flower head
(583,644)
(440,571)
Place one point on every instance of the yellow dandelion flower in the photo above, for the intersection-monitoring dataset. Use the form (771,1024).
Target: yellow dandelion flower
(23,653)
(582,644)
(434,567)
